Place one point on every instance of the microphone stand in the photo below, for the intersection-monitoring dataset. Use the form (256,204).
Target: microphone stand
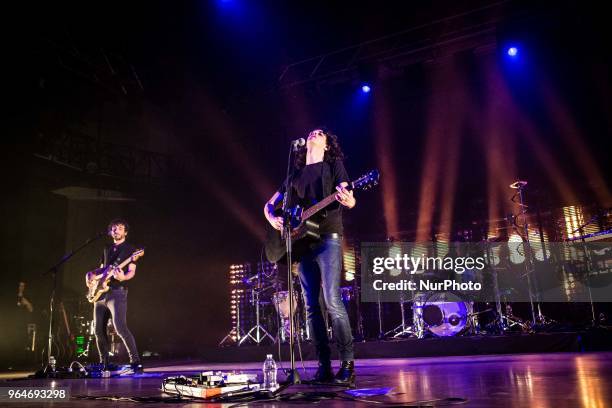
(292,376)
(49,369)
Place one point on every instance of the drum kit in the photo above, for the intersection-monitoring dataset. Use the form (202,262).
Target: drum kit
(425,314)
(268,308)
(433,313)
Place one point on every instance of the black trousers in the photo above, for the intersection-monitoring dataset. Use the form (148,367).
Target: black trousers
(113,305)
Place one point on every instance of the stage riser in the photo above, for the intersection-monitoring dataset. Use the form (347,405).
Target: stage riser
(449,346)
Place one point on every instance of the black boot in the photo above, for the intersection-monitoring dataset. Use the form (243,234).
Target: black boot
(137,367)
(324,373)
(346,374)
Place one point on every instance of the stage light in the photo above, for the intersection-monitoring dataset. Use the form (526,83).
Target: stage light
(365,88)
(574,218)
(395,251)
(512,51)
(349,260)
(238,300)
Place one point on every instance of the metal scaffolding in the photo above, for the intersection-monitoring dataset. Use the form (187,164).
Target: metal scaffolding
(475,29)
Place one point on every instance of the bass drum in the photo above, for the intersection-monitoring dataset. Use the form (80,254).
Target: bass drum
(444,314)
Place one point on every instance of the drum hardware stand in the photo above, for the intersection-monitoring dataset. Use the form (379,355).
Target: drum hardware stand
(519,185)
(474,327)
(542,320)
(419,327)
(381,334)
(302,319)
(509,321)
(500,320)
(418,324)
(258,328)
(589,263)
(588,280)
(403,329)
(358,317)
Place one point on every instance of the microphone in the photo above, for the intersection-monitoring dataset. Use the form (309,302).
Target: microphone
(298,142)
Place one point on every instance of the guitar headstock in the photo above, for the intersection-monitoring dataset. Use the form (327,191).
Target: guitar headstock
(137,254)
(367,181)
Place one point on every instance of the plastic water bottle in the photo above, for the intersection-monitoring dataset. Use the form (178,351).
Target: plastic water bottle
(269,373)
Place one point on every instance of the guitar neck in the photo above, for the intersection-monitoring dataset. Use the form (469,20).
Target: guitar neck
(125,262)
(321,205)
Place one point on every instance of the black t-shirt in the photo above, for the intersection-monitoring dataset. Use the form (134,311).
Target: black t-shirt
(307,184)
(114,255)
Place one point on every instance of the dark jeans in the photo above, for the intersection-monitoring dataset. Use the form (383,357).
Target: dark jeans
(113,304)
(322,266)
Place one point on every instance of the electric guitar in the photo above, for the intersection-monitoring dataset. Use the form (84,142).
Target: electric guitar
(101,276)
(305,229)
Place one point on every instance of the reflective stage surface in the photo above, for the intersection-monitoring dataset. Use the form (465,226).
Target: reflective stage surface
(544,380)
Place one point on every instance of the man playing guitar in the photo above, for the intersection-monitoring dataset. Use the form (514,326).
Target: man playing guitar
(320,172)
(113,303)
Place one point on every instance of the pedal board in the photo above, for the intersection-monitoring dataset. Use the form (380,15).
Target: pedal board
(209,384)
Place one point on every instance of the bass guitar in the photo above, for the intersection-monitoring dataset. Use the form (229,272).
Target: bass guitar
(100,277)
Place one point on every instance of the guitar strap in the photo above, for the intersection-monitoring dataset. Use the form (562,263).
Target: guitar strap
(105,260)
(106,257)
(326,178)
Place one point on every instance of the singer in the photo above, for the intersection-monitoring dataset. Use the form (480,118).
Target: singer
(318,168)
(113,304)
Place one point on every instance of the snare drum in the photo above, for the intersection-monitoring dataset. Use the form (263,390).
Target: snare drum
(281,303)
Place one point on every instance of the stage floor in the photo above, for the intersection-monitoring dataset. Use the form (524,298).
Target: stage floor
(520,380)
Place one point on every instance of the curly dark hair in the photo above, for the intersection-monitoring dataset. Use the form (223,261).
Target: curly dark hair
(333,153)
(118,221)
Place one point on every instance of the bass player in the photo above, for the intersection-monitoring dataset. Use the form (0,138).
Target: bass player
(113,303)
